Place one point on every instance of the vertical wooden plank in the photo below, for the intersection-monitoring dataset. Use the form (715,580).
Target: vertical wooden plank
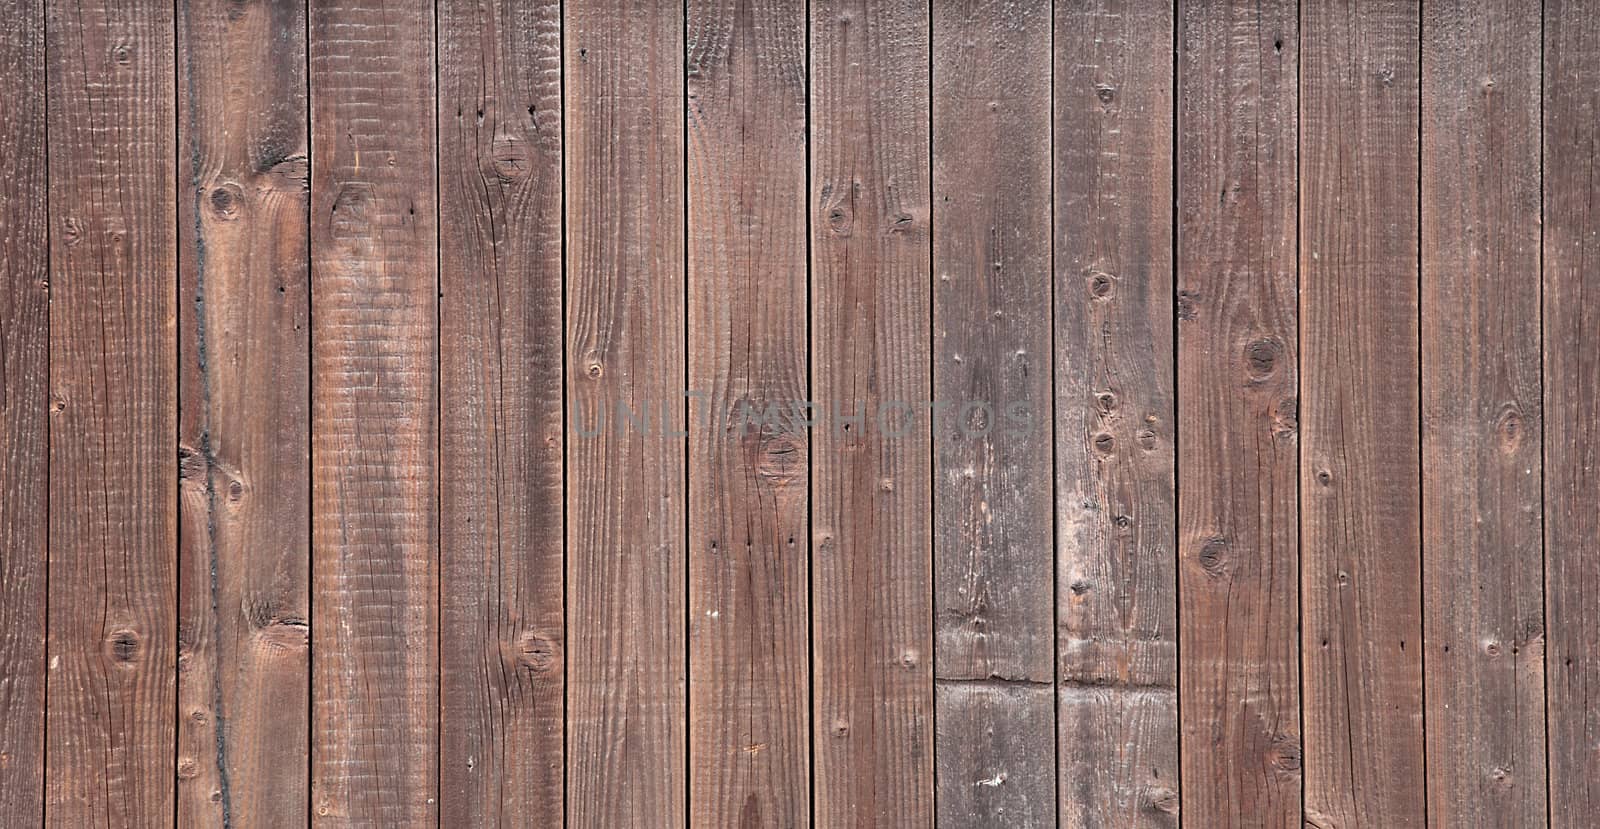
(113,384)
(374,414)
(1115,502)
(749,738)
(1360,446)
(993,594)
(1572,416)
(1481,414)
(626,480)
(244,475)
(502,635)
(24,379)
(1238,415)
(871,544)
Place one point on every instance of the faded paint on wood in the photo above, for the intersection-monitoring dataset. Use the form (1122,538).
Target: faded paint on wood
(24,404)
(1572,410)
(626,525)
(112,637)
(374,299)
(1238,445)
(749,752)
(1360,442)
(1481,414)
(502,661)
(243,454)
(1116,565)
(871,542)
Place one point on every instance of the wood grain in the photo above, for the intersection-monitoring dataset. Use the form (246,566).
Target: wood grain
(626,565)
(1360,438)
(244,475)
(375,670)
(24,389)
(749,729)
(113,383)
(1114,418)
(1481,414)
(501,533)
(1572,417)
(871,542)
(993,557)
(1237,415)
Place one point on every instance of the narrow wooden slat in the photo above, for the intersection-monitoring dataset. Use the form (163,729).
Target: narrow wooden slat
(1237,415)
(994,564)
(502,634)
(1481,414)
(626,566)
(871,544)
(24,378)
(1115,423)
(1361,509)
(113,382)
(749,727)
(375,667)
(1572,408)
(243,668)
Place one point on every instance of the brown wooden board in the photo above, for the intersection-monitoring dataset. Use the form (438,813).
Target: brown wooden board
(1116,568)
(501,599)
(111,680)
(1481,414)
(994,563)
(1237,414)
(374,422)
(871,543)
(243,453)
(1361,515)
(1572,411)
(749,452)
(24,388)
(627,572)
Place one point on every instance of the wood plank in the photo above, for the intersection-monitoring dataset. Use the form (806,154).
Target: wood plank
(626,527)
(244,482)
(1481,414)
(872,587)
(113,382)
(1572,417)
(24,389)
(749,510)
(1239,701)
(1115,500)
(503,632)
(993,557)
(1000,737)
(374,415)
(1360,438)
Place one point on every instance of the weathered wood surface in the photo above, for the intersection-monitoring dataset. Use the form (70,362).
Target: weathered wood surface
(1238,430)
(349,476)
(623,63)
(243,454)
(112,634)
(871,536)
(1572,410)
(993,558)
(1360,478)
(749,729)
(1481,414)
(502,628)
(374,416)
(1116,565)
(24,406)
